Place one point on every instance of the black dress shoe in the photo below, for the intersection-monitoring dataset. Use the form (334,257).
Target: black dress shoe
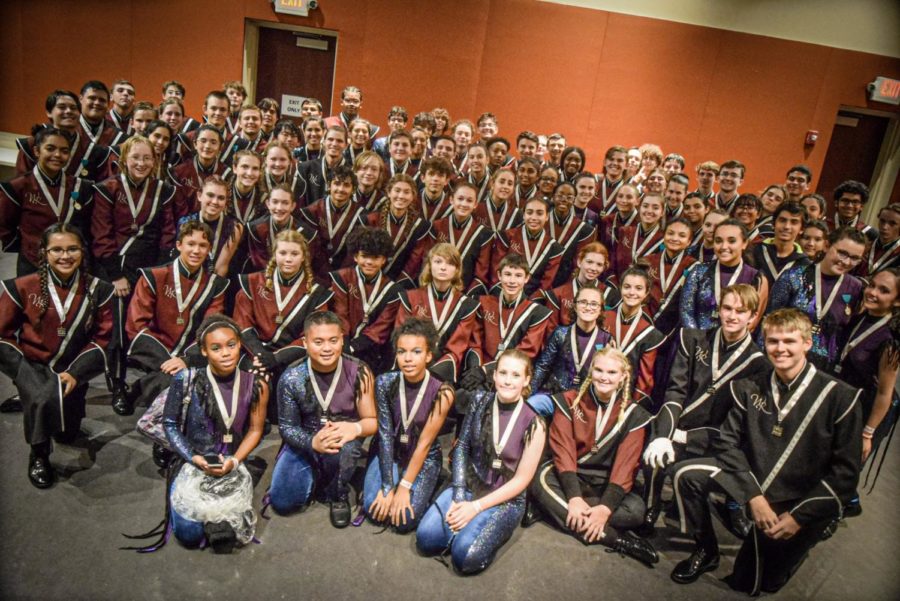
(630,545)
(852,509)
(11,405)
(161,456)
(340,513)
(740,524)
(66,436)
(690,569)
(122,403)
(531,516)
(647,529)
(40,472)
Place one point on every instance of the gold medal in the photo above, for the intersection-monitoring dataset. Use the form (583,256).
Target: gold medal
(180,320)
(61,332)
(228,438)
(404,439)
(847,310)
(777,430)
(279,318)
(497,464)
(84,173)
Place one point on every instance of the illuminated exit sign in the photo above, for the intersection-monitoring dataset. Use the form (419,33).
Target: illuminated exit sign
(292,7)
(885,89)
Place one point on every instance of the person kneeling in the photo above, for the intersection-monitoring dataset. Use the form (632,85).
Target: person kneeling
(412,407)
(326,407)
(214,418)
(496,457)
(596,439)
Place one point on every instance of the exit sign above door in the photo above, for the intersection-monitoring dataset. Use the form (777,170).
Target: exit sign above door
(292,7)
(885,89)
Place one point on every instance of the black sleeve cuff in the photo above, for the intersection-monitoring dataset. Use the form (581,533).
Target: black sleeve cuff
(570,484)
(612,496)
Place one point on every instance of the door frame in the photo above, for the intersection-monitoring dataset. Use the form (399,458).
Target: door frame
(250,70)
(887,165)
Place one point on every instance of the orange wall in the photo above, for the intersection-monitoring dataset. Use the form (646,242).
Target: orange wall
(601,78)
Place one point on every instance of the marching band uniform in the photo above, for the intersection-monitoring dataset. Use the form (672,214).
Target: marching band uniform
(565,361)
(700,295)
(31,203)
(561,301)
(765,258)
(639,340)
(261,234)
(327,228)
(473,241)
(572,234)
(524,328)
(632,243)
(409,243)
(799,444)
(453,316)
(542,253)
(498,219)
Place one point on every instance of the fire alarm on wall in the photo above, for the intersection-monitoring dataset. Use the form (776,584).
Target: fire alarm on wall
(812,136)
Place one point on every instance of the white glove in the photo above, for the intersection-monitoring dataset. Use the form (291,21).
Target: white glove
(659,452)
(680,436)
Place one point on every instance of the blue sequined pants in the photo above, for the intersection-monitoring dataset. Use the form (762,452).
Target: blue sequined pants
(473,548)
(421,493)
(297,474)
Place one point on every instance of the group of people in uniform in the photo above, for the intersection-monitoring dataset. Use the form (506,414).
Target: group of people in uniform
(580,337)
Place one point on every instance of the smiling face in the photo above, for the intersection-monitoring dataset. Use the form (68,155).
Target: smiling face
(173,116)
(369,265)
(510,378)
(589,305)
(335,143)
(369,172)
(729,244)
(277,161)
(786,349)
(462,135)
(359,135)
(607,375)
(651,211)
(881,295)
(536,215)
(94,104)
(401,195)
(842,256)
(420,145)
(140,162)
(487,128)
(572,164)
(247,171)
(796,184)
(585,189)
(813,210)
(312,134)
(324,344)
(730,179)
(213,198)
(413,356)
(633,160)
(340,190)
(193,250)
(64,254)
(709,227)
(695,209)
(614,165)
(512,281)
(65,113)
(787,226)
(626,200)
(53,154)
(444,149)
(222,348)
(746,213)
(677,237)
(400,149)
(563,199)
(735,318)
(280,204)
(216,111)
(813,241)
(656,183)
(463,201)
(526,147)
(503,185)
(591,267)
(527,175)
(634,291)
(251,122)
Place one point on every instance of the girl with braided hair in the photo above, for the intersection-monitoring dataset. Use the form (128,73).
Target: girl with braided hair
(55,326)
(408,230)
(214,418)
(412,405)
(596,438)
(498,451)
(272,305)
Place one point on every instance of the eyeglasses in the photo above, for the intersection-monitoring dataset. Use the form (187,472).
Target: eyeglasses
(588,304)
(564,196)
(58,252)
(800,179)
(850,201)
(845,257)
(548,178)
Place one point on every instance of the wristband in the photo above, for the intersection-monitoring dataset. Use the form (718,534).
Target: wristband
(358,428)
(404,483)
(868,430)
(867,435)
(477,506)
(237,463)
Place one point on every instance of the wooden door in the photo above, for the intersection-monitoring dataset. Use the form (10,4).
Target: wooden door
(852,152)
(285,68)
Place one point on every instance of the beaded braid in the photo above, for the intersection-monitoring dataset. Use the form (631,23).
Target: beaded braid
(412,212)
(44,271)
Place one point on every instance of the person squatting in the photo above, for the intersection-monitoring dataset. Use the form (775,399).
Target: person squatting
(566,341)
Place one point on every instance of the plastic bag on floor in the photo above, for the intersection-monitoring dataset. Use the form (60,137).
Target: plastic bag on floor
(202,498)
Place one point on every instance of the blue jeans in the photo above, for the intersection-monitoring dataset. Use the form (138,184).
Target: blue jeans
(296,474)
(420,495)
(188,532)
(473,548)
(542,404)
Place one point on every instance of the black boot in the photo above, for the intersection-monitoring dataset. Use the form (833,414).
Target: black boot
(532,514)
(702,560)
(122,403)
(734,518)
(650,518)
(629,545)
(11,405)
(340,513)
(40,471)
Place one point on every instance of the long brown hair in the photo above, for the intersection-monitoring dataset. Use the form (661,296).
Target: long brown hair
(446,251)
(413,210)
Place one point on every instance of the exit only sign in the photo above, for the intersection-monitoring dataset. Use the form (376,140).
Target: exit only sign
(292,7)
(885,89)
